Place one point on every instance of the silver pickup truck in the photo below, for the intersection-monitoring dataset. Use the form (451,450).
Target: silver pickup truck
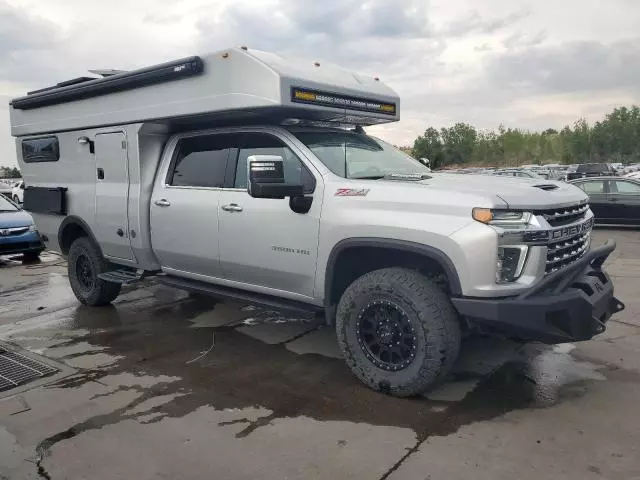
(296,212)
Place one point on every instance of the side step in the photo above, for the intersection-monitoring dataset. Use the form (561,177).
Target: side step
(236,294)
(123,276)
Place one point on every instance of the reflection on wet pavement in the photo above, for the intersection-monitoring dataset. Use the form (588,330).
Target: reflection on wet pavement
(158,355)
(156,332)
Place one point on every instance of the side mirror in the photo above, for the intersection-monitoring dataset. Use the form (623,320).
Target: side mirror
(266,178)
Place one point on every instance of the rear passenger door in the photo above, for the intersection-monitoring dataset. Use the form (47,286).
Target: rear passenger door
(264,245)
(598,201)
(625,198)
(184,206)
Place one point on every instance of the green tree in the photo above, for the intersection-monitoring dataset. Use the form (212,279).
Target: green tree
(429,146)
(458,143)
(616,138)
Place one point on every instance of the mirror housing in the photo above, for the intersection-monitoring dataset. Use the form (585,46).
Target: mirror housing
(266,178)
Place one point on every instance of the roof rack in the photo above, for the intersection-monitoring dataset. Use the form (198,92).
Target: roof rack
(86,87)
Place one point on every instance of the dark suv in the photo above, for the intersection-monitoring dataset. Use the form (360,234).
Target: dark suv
(591,170)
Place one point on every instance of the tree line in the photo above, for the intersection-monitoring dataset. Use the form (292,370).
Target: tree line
(616,138)
(8,172)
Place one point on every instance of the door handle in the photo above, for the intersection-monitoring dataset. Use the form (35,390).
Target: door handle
(100,174)
(162,202)
(232,207)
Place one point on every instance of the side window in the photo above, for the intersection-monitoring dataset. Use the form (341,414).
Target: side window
(201,161)
(592,187)
(43,149)
(264,144)
(620,186)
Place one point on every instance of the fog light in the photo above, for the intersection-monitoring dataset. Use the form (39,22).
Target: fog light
(510,263)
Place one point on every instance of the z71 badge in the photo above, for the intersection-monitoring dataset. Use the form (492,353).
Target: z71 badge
(352,192)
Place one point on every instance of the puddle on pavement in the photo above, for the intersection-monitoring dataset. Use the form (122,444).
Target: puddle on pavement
(150,334)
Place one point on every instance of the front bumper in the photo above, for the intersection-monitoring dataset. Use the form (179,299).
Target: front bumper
(569,305)
(26,242)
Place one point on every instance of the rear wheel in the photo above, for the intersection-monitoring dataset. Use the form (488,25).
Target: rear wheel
(398,331)
(84,265)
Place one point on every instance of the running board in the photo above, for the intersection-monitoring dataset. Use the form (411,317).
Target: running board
(236,294)
(123,277)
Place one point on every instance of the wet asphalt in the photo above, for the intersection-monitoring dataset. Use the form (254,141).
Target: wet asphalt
(164,384)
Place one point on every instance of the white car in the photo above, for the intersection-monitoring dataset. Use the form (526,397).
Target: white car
(17,192)
(635,175)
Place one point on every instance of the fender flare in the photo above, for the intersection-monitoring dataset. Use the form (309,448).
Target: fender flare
(425,250)
(75,220)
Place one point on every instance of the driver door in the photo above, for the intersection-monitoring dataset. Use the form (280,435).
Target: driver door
(263,243)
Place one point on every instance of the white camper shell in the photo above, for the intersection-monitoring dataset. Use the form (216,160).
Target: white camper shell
(226,86)
(68,135)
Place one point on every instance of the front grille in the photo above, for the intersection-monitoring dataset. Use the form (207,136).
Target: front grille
(564,216)
(17,231)
(565,252)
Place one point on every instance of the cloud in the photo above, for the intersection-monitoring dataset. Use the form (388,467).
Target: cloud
(576,66)
(27,45)
(480,61)
(347,31)
(474,23)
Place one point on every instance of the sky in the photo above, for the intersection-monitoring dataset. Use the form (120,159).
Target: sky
(531,64)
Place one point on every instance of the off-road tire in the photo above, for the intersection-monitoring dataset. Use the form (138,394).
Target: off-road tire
(100,292)
(431,314)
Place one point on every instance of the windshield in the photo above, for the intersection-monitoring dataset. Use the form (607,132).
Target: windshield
(7,206)
(355,155)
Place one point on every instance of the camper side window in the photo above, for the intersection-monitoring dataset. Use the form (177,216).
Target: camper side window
(43,149)
(201,161)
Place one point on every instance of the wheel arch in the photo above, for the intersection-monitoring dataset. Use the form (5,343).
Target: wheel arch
(73,227)
(383,252)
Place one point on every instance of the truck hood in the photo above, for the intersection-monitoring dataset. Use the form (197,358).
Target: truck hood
(517,193)
(15,219)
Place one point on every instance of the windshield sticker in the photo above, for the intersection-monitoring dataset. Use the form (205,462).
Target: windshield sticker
(352,192)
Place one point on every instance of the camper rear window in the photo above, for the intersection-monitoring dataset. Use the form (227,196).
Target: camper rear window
(43,149)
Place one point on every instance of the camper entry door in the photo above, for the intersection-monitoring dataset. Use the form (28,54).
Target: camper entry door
(112,195)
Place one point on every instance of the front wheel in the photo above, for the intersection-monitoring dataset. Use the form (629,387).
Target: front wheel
(85,263)
(16,199)
(398,331)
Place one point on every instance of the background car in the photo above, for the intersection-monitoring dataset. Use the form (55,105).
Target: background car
(18,233)
(6,188)
(522,173)
(585,170)
(17,193)
(614,201)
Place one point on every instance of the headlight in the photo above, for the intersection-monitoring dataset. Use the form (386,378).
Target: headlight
(32,228)
(510,263)
(501,218)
